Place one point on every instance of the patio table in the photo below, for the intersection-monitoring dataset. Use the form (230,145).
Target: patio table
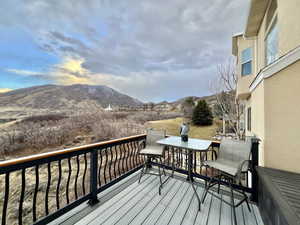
(191,146)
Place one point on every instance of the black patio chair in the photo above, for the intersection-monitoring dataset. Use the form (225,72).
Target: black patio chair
(153,152)
(232,162)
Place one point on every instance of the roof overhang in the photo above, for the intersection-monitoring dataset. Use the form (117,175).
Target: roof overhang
(255,16)
(235,43)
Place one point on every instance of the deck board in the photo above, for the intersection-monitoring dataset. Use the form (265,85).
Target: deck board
(167,214)
(115,201)
(192,211)
(141,215)
(202,217)
(160,208)
(214,215)
(180,212)
(177,205)
(226,212)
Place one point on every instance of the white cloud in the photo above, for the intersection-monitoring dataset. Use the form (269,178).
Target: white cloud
(150,49)
(24,72)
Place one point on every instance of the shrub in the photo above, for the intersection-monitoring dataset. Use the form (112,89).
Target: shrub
(202,114)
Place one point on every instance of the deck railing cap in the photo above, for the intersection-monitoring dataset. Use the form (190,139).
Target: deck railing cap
(64,151)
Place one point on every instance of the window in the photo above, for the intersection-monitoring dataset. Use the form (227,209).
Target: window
(249,119)
(271,43)
(246,61)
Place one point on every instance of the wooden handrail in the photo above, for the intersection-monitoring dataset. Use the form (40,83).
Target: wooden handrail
(25,159)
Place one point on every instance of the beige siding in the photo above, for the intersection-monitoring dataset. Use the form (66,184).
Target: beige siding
(260,50)
(288,23)
(282,119)
(258,118)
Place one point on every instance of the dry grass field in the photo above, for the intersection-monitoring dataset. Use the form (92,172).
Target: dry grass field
(172,128)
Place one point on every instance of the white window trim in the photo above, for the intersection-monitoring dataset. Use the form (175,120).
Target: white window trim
(272,23)
(278,65)
(251,60)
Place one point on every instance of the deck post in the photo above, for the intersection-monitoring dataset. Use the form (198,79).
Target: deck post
(93,179)
(254,180)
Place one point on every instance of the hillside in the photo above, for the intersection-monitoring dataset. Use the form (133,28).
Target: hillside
(62,98)
(177,105)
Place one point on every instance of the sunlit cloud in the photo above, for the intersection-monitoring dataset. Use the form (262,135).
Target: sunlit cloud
(3,90)
(69,72)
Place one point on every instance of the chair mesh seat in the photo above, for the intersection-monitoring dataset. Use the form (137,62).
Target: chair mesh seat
(224,165)
(232,155)
(152,150)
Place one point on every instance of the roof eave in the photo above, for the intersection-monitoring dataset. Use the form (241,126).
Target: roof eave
(255,17)
(234,43)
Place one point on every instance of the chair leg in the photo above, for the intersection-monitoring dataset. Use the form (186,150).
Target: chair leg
(206,190)
(142,172)
(233,205)
(219,184)
(247,201)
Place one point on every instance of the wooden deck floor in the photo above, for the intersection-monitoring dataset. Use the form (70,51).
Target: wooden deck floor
(131,203)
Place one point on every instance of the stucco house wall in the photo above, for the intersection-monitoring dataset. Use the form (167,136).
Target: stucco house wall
(282,119)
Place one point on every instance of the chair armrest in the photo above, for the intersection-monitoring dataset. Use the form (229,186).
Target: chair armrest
(214,154)
(240,169)
(142,144)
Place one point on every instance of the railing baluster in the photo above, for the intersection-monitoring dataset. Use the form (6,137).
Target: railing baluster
(132,155)
(22,198)
(129,156)
(136,146)
(138,159)
(76,178)
(135,153)
(105,165)
(99,169)
(58,184)
(35,192)
(123,158)
(115,160)
(195,162)
(166,158)
(119,160)
(6,195)
(84,174)
(68,181)
(109,164)
(47,189)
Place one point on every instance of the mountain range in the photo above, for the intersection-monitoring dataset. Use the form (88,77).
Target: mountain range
(57,97)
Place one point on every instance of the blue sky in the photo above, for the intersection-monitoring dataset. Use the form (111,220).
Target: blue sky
(152,50)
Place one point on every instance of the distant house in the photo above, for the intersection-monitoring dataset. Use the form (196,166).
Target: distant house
(268,67)
(108,108)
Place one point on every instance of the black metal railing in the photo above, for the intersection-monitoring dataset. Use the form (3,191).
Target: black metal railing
(42,187)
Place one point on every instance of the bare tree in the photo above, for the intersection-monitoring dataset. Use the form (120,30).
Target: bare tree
(224,87)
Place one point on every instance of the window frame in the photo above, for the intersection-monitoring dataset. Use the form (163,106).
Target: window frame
(247,61)
(270,26)
(249,119)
